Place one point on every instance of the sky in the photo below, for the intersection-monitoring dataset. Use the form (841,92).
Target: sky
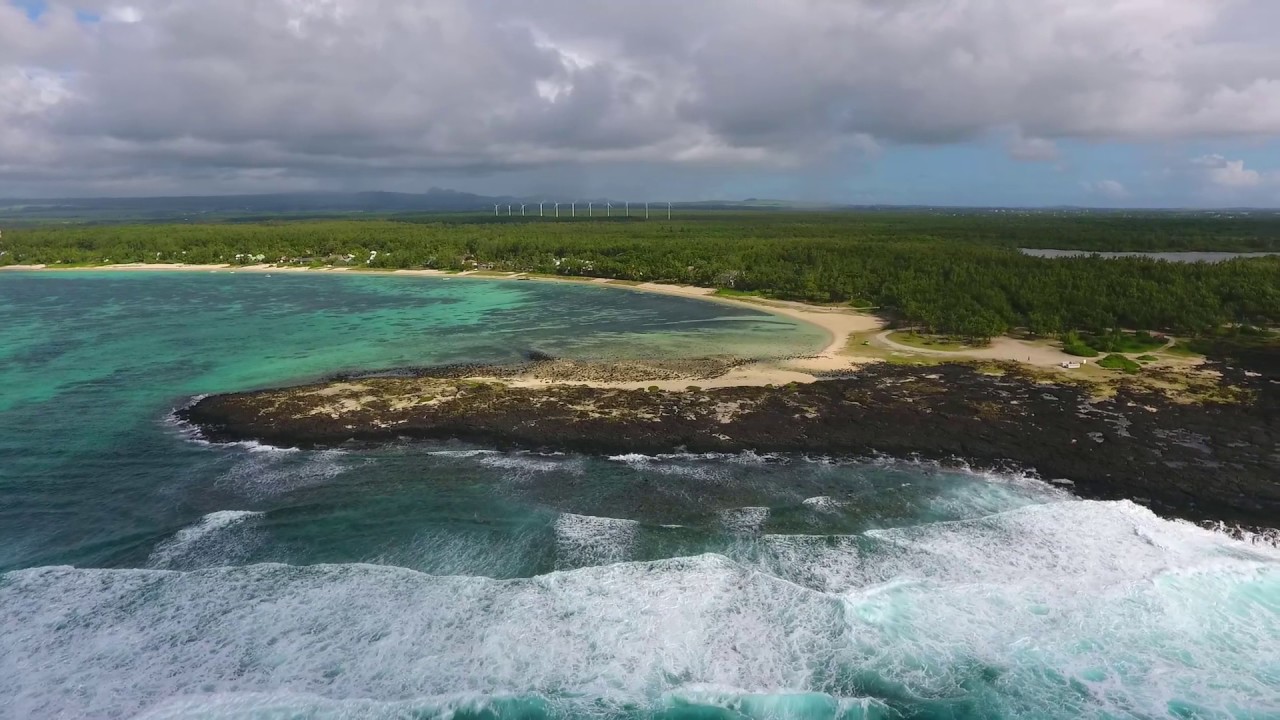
(1109,103)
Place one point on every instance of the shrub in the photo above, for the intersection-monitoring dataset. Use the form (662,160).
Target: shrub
(1073,345)
(1121,363)
(1120,342)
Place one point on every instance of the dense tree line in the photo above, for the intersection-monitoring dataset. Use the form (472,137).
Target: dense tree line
(973,286)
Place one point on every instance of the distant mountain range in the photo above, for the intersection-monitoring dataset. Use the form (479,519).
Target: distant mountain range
(435,200)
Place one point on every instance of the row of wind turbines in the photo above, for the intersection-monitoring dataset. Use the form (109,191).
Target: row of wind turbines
(573,209)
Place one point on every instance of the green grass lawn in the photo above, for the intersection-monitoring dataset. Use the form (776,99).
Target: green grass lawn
(729,292)
(1182,349)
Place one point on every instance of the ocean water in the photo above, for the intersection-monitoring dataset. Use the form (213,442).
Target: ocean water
(147,574)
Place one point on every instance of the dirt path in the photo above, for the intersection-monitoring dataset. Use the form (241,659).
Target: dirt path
(1001,348)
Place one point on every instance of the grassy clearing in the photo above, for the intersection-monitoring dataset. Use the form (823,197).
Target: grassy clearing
(910,338)
(558,278)
(730,293)
(1182,349)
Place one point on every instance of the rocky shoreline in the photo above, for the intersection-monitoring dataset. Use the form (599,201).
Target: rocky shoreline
(541,367)
(1202,461)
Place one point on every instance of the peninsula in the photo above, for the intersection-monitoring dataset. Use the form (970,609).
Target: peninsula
(1128,378)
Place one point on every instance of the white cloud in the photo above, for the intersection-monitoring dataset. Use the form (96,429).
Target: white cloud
(1031,149)
(319,90)
(1224,181)
(1110,189)
(1234,174)
(123,14)
(1230,173)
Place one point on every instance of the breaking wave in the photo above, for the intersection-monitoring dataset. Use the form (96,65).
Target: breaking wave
(583,540)
(1073,609)
(205,543)
(744,521)
(520,467)
(266,471)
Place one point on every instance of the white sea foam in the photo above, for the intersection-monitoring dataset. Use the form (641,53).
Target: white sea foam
(780,706)
(116,642)
(584,540)
(696,467)
(204,543)
(257,706)
(192,433)
(257,447)
(1073,609)
(747,520)
(1270,537)
(747,457)
(265,471)
(1024,480)
(522,467)
(740,703)
(463,453)
(822,504)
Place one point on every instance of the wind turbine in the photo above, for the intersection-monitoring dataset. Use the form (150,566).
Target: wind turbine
(628,208)
(573,209)
(541,212)
(522,205)
(608,209)
(508,211)
(646,211)
(495,210)
(668,211)
(557,209)
(591,209)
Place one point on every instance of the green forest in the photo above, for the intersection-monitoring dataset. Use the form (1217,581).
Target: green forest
(960,275)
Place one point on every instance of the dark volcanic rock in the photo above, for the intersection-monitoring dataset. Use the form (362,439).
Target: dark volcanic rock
(1201,461)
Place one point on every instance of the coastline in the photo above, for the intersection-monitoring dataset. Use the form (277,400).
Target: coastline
(1113,436)
(839,324)
(855,339)
(1138,444)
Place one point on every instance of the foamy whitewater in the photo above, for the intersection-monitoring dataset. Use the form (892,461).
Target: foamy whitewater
(144,574)
(1068,609)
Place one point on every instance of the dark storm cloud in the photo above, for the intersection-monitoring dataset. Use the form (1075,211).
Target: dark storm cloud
(244,93)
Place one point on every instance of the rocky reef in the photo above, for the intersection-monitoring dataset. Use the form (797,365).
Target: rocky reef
(1205,460)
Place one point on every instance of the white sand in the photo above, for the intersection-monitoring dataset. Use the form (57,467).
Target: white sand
(839,322)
